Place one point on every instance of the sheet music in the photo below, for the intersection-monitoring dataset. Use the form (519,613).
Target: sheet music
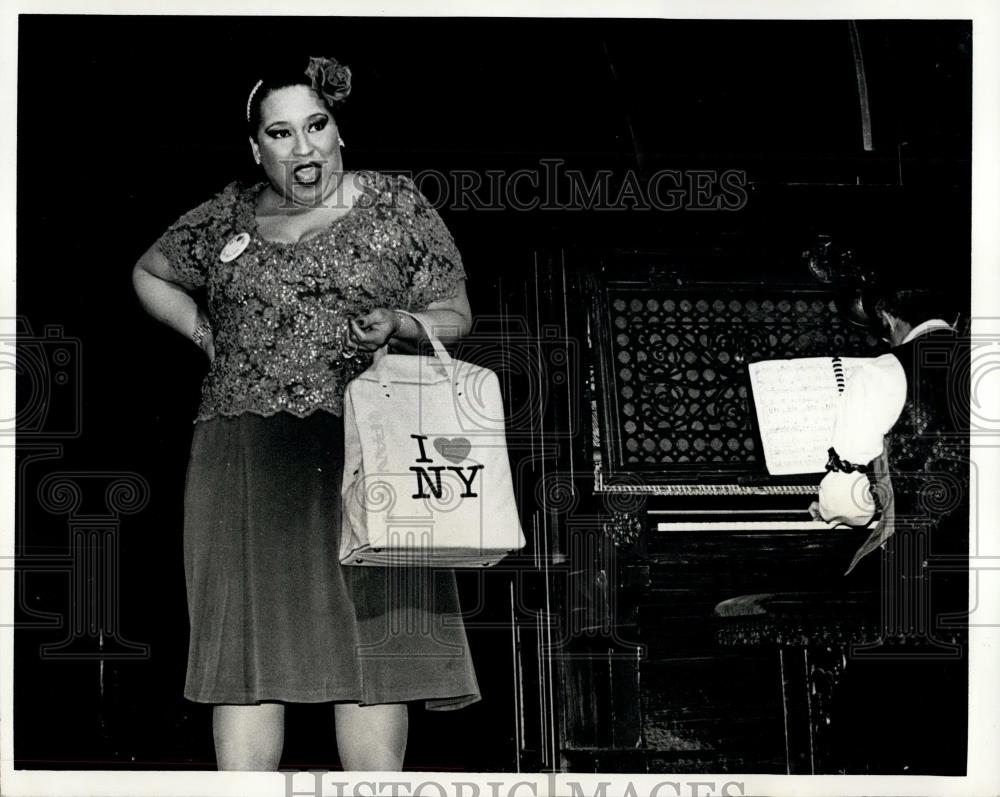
(796,403)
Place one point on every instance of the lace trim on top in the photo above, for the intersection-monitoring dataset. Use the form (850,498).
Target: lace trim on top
(280,310)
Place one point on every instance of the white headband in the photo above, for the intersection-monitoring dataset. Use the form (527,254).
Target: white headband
(250,98)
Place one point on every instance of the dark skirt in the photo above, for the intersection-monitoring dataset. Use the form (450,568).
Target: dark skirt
(274,617)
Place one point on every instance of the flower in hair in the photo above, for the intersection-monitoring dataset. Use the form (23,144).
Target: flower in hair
(330,78)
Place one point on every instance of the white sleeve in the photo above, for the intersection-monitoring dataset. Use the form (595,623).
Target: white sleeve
(869,408)
(846,498)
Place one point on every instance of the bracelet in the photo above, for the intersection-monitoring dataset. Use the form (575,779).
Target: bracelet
(401,318)
(835,463)
(200,333)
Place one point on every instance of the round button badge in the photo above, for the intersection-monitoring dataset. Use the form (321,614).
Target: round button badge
(234,247)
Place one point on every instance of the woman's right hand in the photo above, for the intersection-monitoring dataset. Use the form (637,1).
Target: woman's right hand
(204,336)
(373,330)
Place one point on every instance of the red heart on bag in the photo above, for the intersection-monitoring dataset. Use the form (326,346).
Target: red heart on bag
(455,450)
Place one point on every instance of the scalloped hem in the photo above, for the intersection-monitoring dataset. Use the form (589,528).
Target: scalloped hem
(336,411)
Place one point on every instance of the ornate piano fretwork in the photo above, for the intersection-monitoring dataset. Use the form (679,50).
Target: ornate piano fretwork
(672,362)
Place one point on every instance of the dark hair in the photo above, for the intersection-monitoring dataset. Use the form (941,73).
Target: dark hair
(915,305)
(330,80)
(899,271)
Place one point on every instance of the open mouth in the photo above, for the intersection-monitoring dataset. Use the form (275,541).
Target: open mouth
(307,173)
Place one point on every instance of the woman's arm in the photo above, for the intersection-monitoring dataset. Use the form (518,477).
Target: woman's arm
(868,409)
(451,319)
(166,300)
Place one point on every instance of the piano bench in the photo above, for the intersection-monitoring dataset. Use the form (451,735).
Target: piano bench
(800,619)
(812,633)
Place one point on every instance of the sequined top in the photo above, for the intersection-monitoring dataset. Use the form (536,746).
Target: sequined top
(279,311)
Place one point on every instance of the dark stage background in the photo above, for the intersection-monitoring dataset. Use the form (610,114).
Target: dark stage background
(125,122)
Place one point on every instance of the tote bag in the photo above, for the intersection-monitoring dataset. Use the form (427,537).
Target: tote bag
(426,476)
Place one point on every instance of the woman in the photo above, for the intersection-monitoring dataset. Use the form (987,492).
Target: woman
(303,275)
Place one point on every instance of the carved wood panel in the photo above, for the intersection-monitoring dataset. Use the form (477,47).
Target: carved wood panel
(673,395)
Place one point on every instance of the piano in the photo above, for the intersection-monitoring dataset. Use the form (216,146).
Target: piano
(695,519)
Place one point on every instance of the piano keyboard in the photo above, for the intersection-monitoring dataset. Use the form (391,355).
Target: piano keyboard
(682,520)
(749,525)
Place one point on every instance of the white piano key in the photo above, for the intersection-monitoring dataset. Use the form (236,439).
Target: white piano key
(752,525)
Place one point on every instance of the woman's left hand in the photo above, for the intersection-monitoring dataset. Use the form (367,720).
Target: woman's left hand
(814,511)
(373,330)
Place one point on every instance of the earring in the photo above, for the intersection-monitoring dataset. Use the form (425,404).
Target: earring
(340,142)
